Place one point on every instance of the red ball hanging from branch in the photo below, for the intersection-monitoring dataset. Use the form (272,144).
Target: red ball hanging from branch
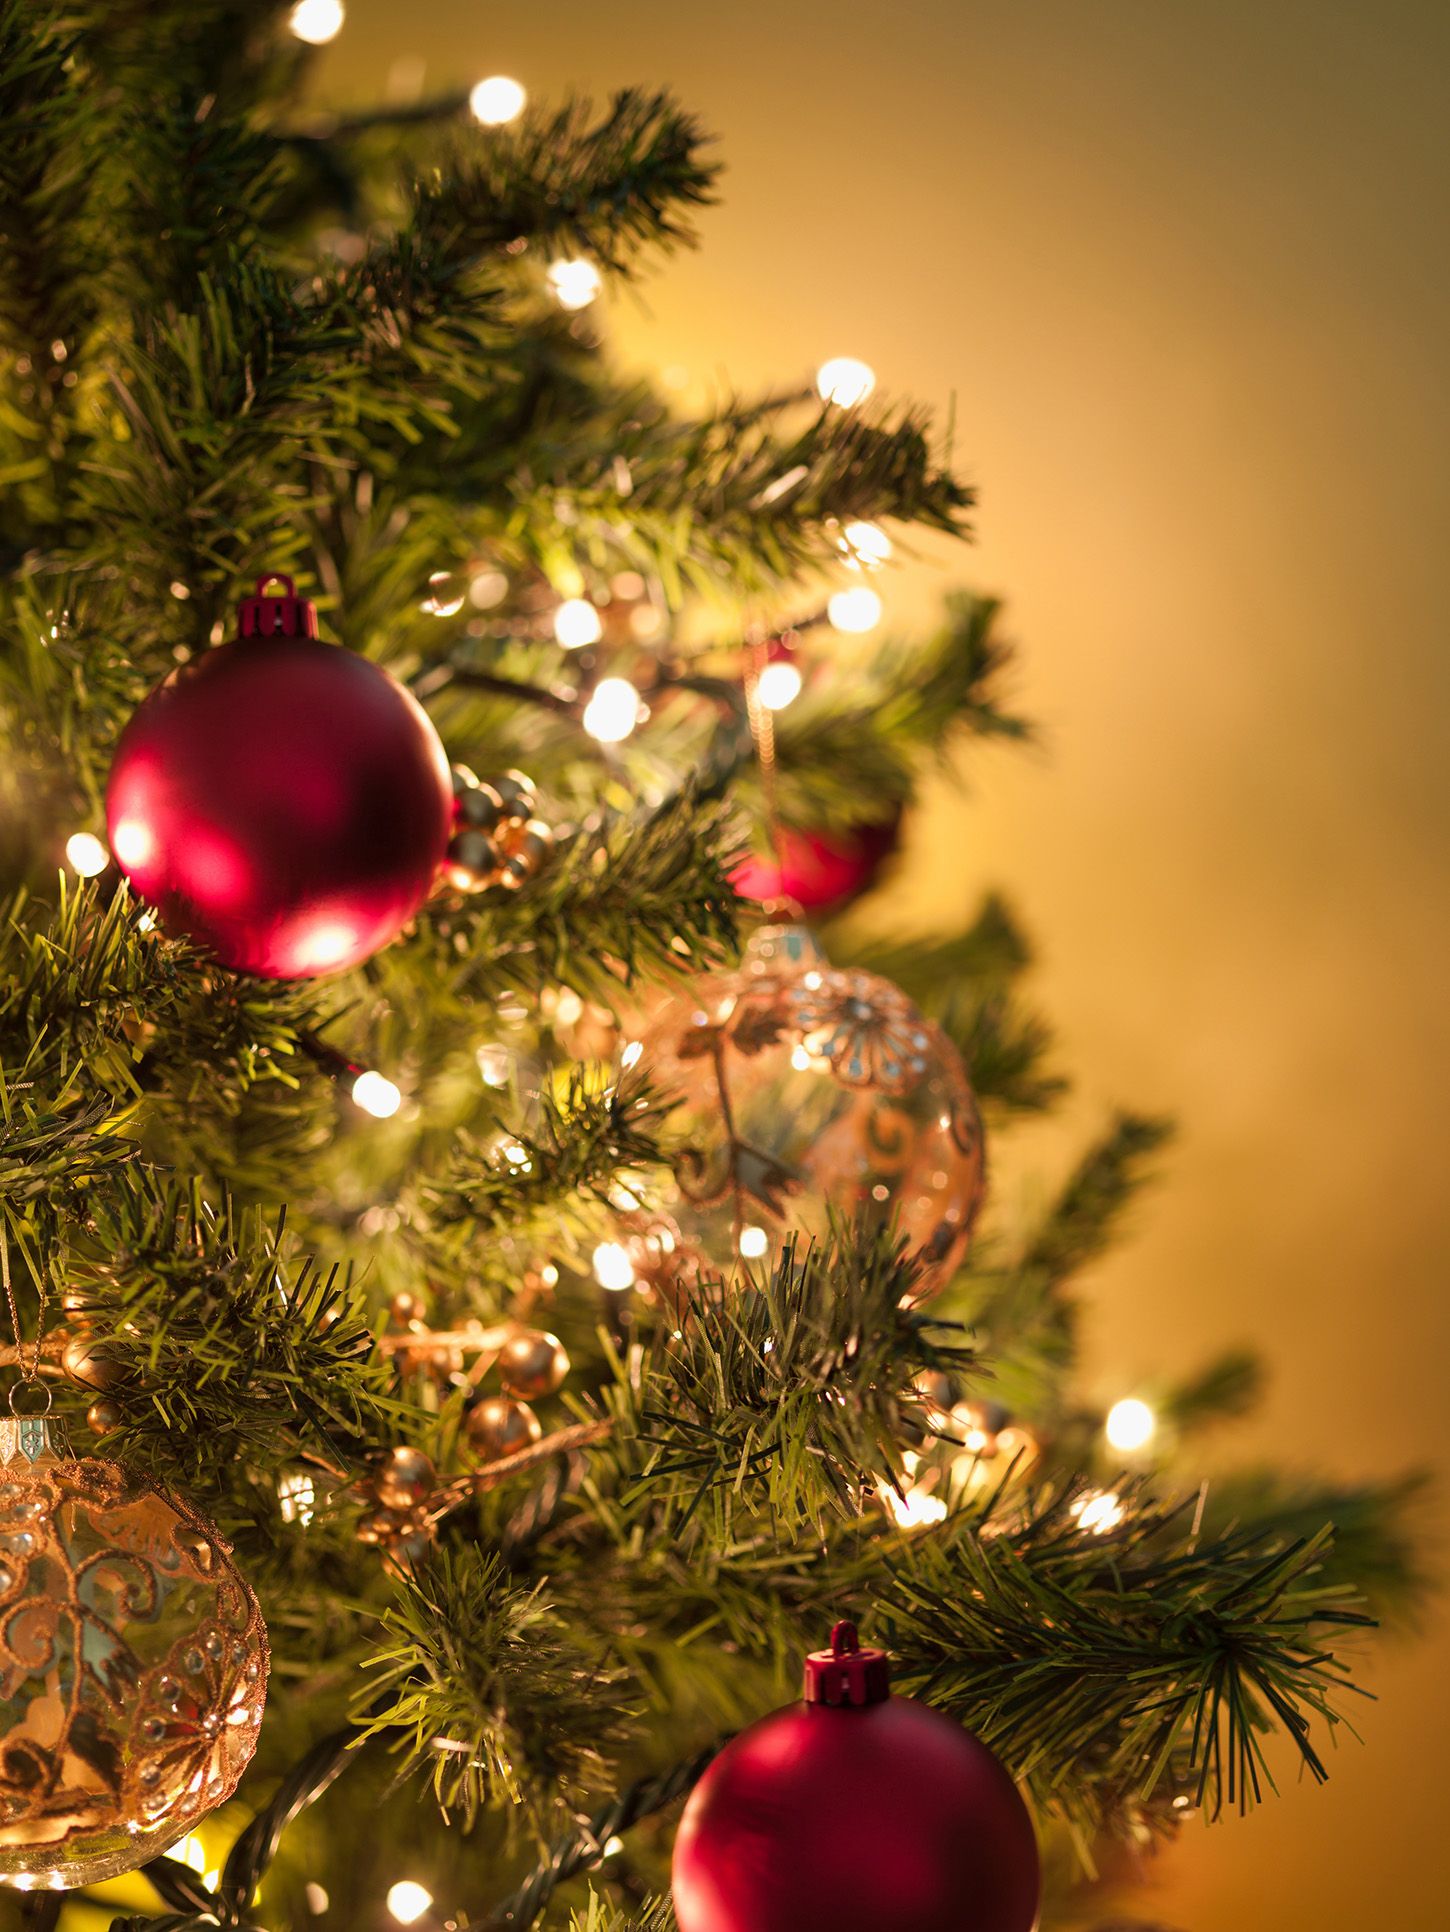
(855,1811)
(282,802)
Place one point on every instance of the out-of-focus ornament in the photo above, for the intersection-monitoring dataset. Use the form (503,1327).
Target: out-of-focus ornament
(499,1426)
(819,871)
(532,1364)
(497,841)
(282,802)
(403,1477)
(801,1091)
(104,1414)
(133,1664)
(855,1811)
(91,1362)
(401,1489)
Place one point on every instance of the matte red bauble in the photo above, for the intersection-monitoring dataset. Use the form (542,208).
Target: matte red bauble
(855,1811)
(280,801)
(817,870)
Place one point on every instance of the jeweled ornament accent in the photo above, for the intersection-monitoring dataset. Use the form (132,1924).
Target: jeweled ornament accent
(282,802)
(802,1090)
(855,1811)
(133,1664)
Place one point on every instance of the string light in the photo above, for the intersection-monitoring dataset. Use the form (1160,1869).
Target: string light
(408,1900)
(778,685)
(854,610)
(613,1268)
(1098,1511)
(296,1497)
(575,283)
(86,854)
(866,545)
(497,100)
(317,21)
(376,1095)
(632,1054)
(1131,1424)
(916,1509)
(753,1243)
(845,381)
(577,623)
(613,711)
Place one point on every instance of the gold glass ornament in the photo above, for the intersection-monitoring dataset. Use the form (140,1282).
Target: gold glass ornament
(532,1364)
(404,1477)
(499,1427)
(804,1090)
(133,1664)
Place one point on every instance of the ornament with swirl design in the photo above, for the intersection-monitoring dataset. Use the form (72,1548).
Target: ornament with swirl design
(133,1664)
(801,1090)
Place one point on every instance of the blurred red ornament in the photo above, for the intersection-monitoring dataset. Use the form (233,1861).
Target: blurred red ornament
(282,802)
(818,869)
(855,1811)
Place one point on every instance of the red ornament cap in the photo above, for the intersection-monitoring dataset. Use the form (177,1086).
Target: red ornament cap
(847,1674)
(286,616)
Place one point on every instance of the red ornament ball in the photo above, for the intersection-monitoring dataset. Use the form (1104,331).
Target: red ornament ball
(282,802)
(855,1811)
(816,870)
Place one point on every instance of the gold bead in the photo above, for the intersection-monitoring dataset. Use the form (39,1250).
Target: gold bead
(532,1364)
(104,1414)
(471,862)
(403,1477)
(378,1526)
(480,809)
(515,793)
(499,1427)
(91,1363)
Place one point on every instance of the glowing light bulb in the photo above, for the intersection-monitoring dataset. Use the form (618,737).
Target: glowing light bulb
(575,283)
(317,21)
(408,1901)
(845,381)
(376,1095)
(296,1498)
(495,1063)
(753,1243)
(613,710)
(613,1268)
(632,1054)
(778,685)
(866,545)
(1131,1424)
(577,623)
(86,854)
(497,100)
(915,1509)
(854,610)
(1098,1511)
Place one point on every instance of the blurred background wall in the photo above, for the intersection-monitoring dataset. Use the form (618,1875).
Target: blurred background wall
(1180,271)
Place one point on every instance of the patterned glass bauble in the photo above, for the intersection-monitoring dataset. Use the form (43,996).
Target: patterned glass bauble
(133,1665)
(803,1092)
(282,802)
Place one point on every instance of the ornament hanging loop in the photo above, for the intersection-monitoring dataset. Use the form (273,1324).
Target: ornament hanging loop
(288,615)
(20,1390)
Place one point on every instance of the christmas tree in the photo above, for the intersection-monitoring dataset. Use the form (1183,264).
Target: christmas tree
(562,1287)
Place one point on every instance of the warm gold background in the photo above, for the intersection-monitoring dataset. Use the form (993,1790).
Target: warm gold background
(1182,269)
